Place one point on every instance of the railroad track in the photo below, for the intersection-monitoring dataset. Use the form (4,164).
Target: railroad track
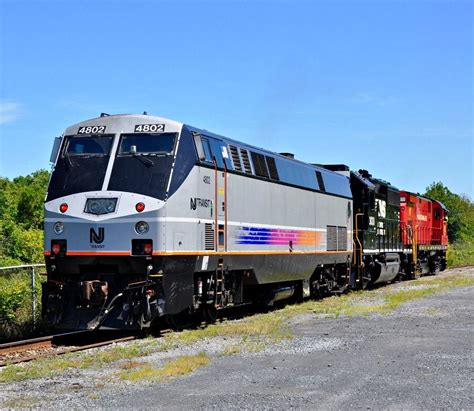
(32,349)
(52,345)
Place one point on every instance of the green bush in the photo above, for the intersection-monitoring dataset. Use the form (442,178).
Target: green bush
(460,254)
(21,218)
(16,319)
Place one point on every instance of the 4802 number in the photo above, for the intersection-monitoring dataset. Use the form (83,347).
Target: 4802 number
(91,130)
(149,128)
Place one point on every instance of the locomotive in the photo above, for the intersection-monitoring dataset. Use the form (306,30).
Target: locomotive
(147,219)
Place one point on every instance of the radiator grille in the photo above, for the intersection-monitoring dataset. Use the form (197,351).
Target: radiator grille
(259,164)
(331,238)
(234,152)
(272,168)
(342,238)
(246,161)
(208,237)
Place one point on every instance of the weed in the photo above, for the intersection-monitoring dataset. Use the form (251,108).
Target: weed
(269,326)
(174,368)
(38,369)
(231,350)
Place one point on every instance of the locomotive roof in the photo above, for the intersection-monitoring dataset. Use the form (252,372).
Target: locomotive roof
(335,183)
(294,172)
(427,198)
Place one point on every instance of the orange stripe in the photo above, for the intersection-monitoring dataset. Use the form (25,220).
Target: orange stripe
(74,253)
(79,253)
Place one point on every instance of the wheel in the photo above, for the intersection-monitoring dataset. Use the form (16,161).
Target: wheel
(210,314)
(178,321)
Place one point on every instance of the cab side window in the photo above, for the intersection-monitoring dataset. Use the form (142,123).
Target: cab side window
(207,148)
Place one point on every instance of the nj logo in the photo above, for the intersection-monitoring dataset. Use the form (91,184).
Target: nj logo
(95,237)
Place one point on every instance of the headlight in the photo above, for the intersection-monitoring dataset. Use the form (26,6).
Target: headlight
(58,227)
(100,206)
(141,227)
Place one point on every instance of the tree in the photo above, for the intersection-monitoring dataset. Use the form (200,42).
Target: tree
(21,218)
(460,212)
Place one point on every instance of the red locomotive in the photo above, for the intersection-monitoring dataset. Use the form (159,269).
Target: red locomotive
(423,224)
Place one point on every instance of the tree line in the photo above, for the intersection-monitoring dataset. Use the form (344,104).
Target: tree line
(21,217)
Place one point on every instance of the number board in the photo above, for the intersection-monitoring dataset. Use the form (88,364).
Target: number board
(149,128)
(91,130)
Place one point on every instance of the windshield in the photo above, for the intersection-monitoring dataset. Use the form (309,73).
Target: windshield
(147,144)
(143,164)
(88,146)
(82,165)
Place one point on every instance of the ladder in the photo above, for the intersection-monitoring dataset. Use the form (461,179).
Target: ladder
(219,285)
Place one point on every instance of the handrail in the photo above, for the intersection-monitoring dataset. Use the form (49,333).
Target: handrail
(225,207)
(216,208)
(414,248)
(357,238)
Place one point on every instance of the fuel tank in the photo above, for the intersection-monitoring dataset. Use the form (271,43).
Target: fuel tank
(386,270)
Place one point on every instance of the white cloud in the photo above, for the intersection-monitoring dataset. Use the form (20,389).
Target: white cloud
(9,111)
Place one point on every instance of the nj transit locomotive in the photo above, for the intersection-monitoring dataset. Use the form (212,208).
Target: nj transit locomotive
(148,218)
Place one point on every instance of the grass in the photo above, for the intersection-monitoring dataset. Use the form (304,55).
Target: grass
(231,350)
(250,334)
(49,367)
(37,369)
(381,300)
(268,325)
(180,366)
(461,253)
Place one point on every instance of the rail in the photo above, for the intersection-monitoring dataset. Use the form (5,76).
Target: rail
(58,344)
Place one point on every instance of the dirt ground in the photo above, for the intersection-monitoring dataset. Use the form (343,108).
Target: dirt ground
(418,357)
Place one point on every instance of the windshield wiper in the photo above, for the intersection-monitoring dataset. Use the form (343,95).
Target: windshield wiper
(70,163)
(144,160)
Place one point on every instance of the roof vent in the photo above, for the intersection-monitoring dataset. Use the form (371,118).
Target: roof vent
(145,113)
(365,174)
(104,114)
(289,155)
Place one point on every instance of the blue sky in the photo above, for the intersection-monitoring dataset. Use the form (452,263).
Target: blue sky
(381,85)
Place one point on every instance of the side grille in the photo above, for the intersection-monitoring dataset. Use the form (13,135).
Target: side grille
(259,164)
(342,238)
(208,237)
(272,168)
(246,161)
(234,152)
(331,238)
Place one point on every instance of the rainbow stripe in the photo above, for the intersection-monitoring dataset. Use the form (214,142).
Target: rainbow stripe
(278,236)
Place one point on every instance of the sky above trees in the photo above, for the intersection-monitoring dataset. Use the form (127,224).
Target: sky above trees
(381,85)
